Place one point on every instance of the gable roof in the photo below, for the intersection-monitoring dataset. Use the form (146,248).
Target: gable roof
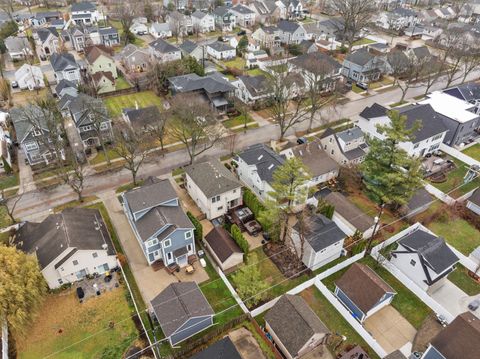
(199,14)
(97,76)
(210,83)
(320,232)
(92,53)
(363,286)
(44,32)
(288,26)
(421,52)
(83,6)
(419,199)
(177,303)
(475,197)
(256,85)
(222,243)
(63,84)
(62,61)
(141,117)
(316,62)
(152,193)
(294,322)
(222,349)
(188,46)
(212,177)
(469,91)
(21,119)
(360,57)
(221,10)
(220,46)
(163,46)
(242,9)
(17,44)
(373,111)
(264,158)
(315,158)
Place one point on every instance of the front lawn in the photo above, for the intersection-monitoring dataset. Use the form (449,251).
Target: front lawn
(5,220)
(462,280)
(100,157)
(363,41)
(454,186)
(116,104)
(7,181)
(237,62)
(63,321)
(473,151)
(237,121)
(256,72)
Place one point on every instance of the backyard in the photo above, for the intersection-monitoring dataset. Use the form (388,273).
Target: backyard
(237,62)
(462,280)
(116,104)
(7,181)
(121,83)
(63,321)
(473,151)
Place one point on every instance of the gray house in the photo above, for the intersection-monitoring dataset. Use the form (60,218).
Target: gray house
(135,59)
(65,67)
(362,66)
(224,19)
(291,32)
(161,227)
(182,311)
(473,202)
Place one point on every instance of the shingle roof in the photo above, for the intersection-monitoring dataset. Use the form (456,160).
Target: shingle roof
(294,322)
(63,84)
(222,243)
(373,111)
(264,158)
(316,62)
(475,197)
(142,117)
(360,57)
(152,193)
(16,44)
(188,46)
(62,61)
(22,119)
(212,177)
(44,32)
(419,199)
(221,10)
(315,158)
(210,83)
(163,46)
(177,303)
(433,249)
(256,85)
(199,14)
(83,6)
(220,46)
(320,232)
(421,52)
(223,349)
(92,53)
(363,286)
(468,92)
(242,9)
(350,134)
(288,26)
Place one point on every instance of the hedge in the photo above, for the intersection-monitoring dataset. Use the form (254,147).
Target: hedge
(251,200)
(198,231)
(239,238)
(326,209)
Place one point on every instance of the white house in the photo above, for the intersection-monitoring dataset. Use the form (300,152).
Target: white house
(139,28)
(427,138)
(163,51)
(68,245)
(244,16)
(397,19)
(202,22)
(221,51)
(47,40)
(252,89)
(323,240)
(346,147)
(290,9)
(424,258)
(160,30)
(29,77)
(213,188)
(473,202)
(291,32)
(65,67)
(85,13)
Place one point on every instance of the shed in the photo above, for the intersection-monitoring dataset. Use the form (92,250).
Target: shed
(223,248)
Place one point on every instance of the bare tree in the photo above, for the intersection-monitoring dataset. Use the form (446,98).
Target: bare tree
(9,204)
(406,70)
(193,124)
(453,45)
(74,174)
(6,91)
(243,110)
(7,7)
(470,61)
(177,24)
(158,128)
(126,12)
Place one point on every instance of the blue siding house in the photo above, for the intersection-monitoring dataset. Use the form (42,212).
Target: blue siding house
(362,66)
(182,311)
(362,291)
(161,227)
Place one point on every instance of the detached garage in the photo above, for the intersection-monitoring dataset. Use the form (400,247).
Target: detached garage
(223,248)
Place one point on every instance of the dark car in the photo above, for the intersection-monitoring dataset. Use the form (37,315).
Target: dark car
(301,140)
(14,84)
(80,293)
(473,306)
(241,33)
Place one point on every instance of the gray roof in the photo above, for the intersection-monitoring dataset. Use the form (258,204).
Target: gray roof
(22,118)
(316,62)
(161,26)
(436,253)
(63,84)
(223,349)
(294,322)
(44,32)
(199,14)
(163,46)
(74,228)
(469,91)
(419,199)
(142,117)
(212,177)
(242,9)
(62,61)
(210,83)
(315,158)
(360,57)
(220,46)
(256,85)
(83,6)
(404,12)
(350,134)
(82,105)
(373,111)
(221,10)
(264,158)
(16,44)
(288,26)
(188,46)
(320,232)
(178,303)
(421,52)
(153,193)
(475,197)
(108,31)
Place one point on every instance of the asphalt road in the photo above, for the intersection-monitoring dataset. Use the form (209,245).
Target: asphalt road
(40,201)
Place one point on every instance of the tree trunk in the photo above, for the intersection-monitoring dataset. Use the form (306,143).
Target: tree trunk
(4,339)
(368,248)
(134,176)
(102,144)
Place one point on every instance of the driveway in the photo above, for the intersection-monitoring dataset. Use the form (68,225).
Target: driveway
(391,330)
(246,344)
(454,299)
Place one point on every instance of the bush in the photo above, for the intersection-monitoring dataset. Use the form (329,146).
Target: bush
(198,231)
(239,238)
(326,209)
(257,207)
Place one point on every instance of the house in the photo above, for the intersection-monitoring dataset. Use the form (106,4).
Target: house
(139,28)
(252,89)
(431,32)
(323,240)
(190,48)
(244,16)
(107,36)
(213,188)
(321,167)
(469,91)
(267,36)
(291,32)
(69,245)
(103,81)
(224,19)
(85,13)
(294,326)
(160,30)
(161,227)
(99,59)
(65,67)
(362,66)
(290,9)
(31,128)
(307,47)
(346,147)
(202,22)
(180,24)
(216,88)
(6,150)
(41,18)
(348,216)
(18,47)
(135,59)
(141,118)
(426,139)
(473,202)
(221,51)
(398,19)
(182,311)
(256,165)
(65,87)
(222,349)
(47,40)
(79,37)
(29,77)
(424,258)
(226,253)
(420,201)
(459,340)
(459,116)
(163,51)
(178,5)
(266,11)
(362,291)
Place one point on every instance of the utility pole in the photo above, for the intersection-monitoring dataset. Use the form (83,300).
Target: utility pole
(368,248)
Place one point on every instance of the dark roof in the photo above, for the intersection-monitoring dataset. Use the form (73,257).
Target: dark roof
(211,83)
(221,243)
(419,199)
(436,253)
(83,6)
(221,10)
(315,158)
(223,349)
(63,84)
(74,228)
(256,85)
(212,177)
(163,46)
(264,158)
(469,91)
(288,26)
(242,9)
(142,117)
(188,46)
(22,119)
(62,61)
(178,303)
(421,52)
(320,232)
(220,46)
(294,322)
(475,197)
(316,62)
(152,193)
(360,57)
(199,14)
(44,32)
(108,31)
(460,339)
(363,286)
(373,111)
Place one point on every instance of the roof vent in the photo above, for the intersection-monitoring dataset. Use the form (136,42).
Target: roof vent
(260,157)
(271,166)
(105,246)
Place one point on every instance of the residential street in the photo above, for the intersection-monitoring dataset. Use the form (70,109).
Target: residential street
(38,201)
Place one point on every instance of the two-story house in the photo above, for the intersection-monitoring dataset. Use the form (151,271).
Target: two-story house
(224,19)
(221,51)
(190,48)
(101,67)
(266,11)
(69,245)
(253,89)
(161,227)
(290,9)
(346,147)
(160,30)
(244,16)
(135,59)
(29,77)
(202,22)
(425,140)
(213,188)
(79,37)
(65,67)
(85,13)
(163,51)
(291,32)
(362,66)
(398,19)
(47,40)
(180,24)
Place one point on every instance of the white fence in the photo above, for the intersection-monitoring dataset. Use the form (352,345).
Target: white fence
(232,290)
(351,320)
(439,194)
(464,260)
(458,155)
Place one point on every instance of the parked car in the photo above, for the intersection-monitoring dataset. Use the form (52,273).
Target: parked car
(362,85)
(473,306)
(241,33)
(14,84)
(301,140)
(442,320)
(80,293)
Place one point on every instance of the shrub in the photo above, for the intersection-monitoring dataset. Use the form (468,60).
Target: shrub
(198,231)
(326,209)
(239,238)
(257,207)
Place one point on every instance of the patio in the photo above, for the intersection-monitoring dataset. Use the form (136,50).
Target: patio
(91,286)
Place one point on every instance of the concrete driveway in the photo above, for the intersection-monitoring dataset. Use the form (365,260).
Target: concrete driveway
(246,344)
(454,299)
(391,330)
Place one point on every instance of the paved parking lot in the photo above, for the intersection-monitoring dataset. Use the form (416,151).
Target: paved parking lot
(391,330)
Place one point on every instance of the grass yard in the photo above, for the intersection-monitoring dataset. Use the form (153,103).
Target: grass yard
(357,89)
(5,220)
(399,103)
(75,203)
(100,157)
(473,151)
(237,62)
(455,179)
(220,299)
(334,322)
(237,121)
(458,233)
(363,41)
(117,25)
(121,83)
(77,322)
(256,72)
(115,104)
(462,280)
(7,181)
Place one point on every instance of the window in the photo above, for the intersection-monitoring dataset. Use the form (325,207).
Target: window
(75,262)
(30,146)
(94,254)
(188,235)
(220,208)
(86,128)
(37,132)
(234,191)
(189,247)
(60,281)
(167,243)
(416,145)
(103,126)
(332,152)
(169,256)
(412,262)
(153,242)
